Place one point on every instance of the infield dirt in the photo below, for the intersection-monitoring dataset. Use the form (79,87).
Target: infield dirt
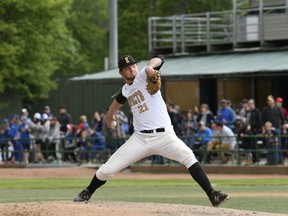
(104,208)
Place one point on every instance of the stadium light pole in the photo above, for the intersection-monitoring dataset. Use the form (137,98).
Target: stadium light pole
(113,34)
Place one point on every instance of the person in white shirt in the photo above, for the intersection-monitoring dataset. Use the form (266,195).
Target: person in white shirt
(153,131)
(225,140)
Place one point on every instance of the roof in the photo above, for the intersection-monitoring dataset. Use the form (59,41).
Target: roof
(276,61)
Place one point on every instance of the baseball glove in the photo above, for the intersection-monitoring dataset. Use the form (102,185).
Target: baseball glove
(153,83)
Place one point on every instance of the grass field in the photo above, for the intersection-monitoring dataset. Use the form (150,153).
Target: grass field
(266,195)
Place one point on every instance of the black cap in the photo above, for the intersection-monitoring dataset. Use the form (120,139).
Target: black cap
(126,61)
(244,101)
(220,124)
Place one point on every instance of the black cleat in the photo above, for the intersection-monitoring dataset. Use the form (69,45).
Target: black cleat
(217,198)
(84,196)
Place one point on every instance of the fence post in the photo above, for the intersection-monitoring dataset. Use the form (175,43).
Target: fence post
(208,44)
(182,34)
(174,37)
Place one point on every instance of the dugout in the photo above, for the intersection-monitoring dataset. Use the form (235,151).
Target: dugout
(187,81)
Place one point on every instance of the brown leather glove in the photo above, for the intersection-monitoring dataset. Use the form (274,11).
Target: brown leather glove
(154,83)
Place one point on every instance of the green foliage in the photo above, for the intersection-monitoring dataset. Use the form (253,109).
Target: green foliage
(191,6)
(42,39)
(88,23)
(34,43)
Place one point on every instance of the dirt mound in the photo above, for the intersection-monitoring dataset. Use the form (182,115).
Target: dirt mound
(101,208)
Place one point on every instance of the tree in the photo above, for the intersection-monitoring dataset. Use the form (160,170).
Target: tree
(34,43)
(88,23)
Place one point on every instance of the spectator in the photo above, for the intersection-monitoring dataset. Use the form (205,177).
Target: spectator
(189,129)
(53,139)
(45,144)
(205,115)
(279,103)
(273,114)
(254,119)
(5,144)
(106,132)
(70,144)
(98,143)
(247,142)
(225,115)
(25,141)
(97,122)
(284,140)
(25,112)
(37,132)
(174,116)
(225,141)
(272,142)
(83,120)
(64,119)
(203,137)
(118,133)
(239,124)
(196,112)
(229,106)
(14,135)
(243,110)
(47,110)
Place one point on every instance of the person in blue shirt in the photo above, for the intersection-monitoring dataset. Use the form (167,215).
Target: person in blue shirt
(4,141)
(98,143)
(225,115)
(203,137)
(25,137)
(15,136)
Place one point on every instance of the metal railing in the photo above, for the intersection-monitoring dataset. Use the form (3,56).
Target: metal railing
(180,33)
(98,155)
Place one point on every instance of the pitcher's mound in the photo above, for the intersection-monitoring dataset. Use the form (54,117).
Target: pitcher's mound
(104,208)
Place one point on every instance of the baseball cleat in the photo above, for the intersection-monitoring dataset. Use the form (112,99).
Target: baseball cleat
(217,198)
(84,196)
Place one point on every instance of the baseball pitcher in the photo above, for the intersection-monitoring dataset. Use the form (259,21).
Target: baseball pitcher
(153,132)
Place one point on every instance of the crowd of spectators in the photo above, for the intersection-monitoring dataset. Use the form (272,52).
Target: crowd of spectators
(244,126)
(48,137)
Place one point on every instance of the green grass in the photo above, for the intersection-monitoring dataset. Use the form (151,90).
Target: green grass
(178,191)
(61,183)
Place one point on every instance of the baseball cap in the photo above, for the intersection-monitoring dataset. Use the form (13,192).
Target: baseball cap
(44,116)
(5,121)
(279,99)
(70,126)
(125,61)
(201,123)
(24,110)
(244,101)
(220,124)
(223,101)
(37,116)
(270,97)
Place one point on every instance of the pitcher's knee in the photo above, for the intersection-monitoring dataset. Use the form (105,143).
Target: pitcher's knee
(105,172)
(189,161)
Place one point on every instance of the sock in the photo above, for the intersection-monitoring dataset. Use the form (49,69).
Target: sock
(201,178)
(94,184)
